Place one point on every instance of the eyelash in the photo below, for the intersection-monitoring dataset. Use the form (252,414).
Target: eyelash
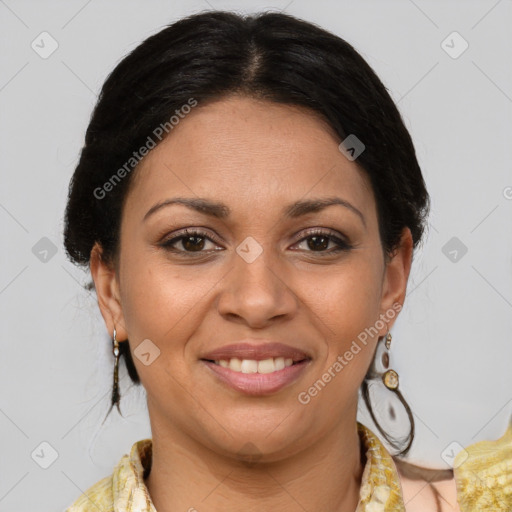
(341,244)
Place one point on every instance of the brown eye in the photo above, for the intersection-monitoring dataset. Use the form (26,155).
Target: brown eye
(318,241)
(191,241)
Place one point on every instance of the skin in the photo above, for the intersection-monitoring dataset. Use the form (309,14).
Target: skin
(256,157)
(419,496)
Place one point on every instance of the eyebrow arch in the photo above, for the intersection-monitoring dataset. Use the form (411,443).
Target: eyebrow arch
(221,211)
(315,205)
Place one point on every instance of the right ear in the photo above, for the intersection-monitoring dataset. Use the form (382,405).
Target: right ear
(107,292)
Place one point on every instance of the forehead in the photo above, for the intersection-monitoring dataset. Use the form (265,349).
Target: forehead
(253,152)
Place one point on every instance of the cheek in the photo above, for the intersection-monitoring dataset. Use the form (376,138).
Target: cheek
(346,306)
(163,303)
(348,298)
(157,297)
(158,306)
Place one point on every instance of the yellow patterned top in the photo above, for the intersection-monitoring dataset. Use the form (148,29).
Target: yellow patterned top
(483,475)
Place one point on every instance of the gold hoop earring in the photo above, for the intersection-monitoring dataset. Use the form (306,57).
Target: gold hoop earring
(390,379)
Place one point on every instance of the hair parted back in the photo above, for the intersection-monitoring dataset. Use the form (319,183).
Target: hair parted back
(270,56)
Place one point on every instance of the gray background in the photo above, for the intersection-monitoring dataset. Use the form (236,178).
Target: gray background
(451,344)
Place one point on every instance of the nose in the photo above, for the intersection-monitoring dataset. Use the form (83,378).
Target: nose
(256,293)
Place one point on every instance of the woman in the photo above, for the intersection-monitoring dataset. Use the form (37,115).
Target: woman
(248,201)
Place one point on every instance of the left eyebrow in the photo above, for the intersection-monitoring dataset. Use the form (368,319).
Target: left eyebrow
(315,205)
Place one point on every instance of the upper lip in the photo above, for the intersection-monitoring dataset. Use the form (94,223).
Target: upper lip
(256,351)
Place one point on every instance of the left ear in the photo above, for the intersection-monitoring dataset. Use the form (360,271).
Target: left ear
(396,275)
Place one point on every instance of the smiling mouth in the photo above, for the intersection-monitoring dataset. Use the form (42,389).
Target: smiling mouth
(263,366)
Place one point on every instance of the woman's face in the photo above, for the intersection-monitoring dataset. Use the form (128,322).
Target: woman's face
(263,269)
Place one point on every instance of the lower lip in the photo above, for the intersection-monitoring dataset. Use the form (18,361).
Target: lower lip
(258,383)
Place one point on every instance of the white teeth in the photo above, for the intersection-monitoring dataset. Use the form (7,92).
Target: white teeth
(279,363)
(266,366)
(235,364)
(252,366)
(249,366)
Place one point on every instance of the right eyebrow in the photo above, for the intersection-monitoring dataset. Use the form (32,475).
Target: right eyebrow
(206,206)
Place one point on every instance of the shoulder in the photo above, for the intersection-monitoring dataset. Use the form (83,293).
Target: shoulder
(98,497)
(426,490)
(481,479)
(125,485)
(483,472)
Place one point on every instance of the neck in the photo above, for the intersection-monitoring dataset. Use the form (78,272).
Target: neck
(326,476)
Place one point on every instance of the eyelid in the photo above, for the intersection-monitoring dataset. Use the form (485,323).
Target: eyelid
(296,238)
(195,230)
(305,233)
